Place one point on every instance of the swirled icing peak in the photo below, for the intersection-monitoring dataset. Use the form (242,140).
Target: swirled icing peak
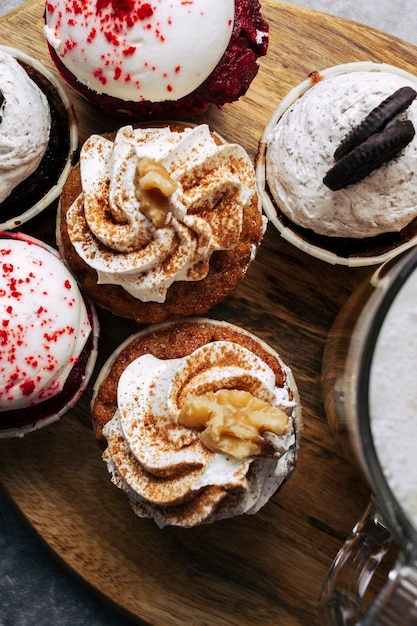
(137,50)
(210,184)
(24,125)
(167,471)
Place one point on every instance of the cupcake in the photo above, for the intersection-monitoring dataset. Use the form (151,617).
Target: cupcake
(198,420)
(48,336)
(164,60)
(160,222)
(337,161)
(38,137)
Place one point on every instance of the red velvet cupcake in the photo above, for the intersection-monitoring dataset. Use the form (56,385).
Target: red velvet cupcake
(145,60)
(48,336)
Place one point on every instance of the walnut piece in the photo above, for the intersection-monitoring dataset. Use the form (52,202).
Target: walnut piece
(154,186)
(233,421)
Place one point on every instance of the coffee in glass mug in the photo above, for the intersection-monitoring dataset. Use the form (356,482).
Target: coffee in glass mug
(369,380)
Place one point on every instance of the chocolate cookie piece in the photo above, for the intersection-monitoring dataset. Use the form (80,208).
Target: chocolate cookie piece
(370,155)
(376,120)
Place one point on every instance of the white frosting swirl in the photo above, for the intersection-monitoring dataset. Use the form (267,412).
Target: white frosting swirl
(164,467)
(44,324)
(300,152)
(111,234)
(24,125)
(149,51)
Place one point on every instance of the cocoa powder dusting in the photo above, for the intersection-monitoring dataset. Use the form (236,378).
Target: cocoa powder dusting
(175,341)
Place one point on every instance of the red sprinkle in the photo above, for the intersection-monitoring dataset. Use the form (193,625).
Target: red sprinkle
(125,10)
(145,11)
(100,76)
(112,38)
(77,7)
(129,51)
(69,45)
(31,360)
(92,35)
(27,387)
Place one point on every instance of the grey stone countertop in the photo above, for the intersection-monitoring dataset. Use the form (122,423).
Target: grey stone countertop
(35,590)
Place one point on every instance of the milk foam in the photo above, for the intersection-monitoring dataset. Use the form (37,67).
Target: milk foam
(393,397)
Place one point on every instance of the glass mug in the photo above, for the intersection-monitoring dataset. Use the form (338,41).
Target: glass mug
(369,382)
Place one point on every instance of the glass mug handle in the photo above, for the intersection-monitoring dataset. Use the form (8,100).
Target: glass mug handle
(347,581)
(343,590)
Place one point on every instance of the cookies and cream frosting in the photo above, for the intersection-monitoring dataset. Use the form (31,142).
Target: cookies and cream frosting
(111,229)
(300,152)
(164,467)
(44,324)
(140,50)
(25,124)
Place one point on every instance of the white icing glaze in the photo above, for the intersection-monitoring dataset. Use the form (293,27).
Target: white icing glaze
(43,324)
(147,51)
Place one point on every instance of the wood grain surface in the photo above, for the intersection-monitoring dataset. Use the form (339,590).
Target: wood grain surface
(265,569)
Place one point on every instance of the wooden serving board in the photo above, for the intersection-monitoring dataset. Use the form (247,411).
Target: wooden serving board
(266,569)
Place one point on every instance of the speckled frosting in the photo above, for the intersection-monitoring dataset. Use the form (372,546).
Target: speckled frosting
(300,152)
(167,472)
(38,137)
(46,333)
(371,214)
(160,60)
(25,123)
(135,50)
(211,222)
(111,233)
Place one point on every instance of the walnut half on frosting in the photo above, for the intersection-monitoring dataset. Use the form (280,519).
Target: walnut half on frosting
(154,186)
(233,421)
